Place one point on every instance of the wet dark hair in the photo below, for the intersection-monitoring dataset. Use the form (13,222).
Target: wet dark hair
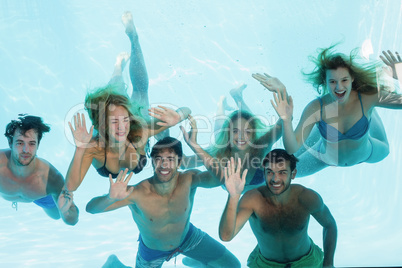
(280,155)
(23,124)
(170,144)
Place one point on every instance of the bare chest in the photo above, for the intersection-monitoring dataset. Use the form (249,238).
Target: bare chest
(26,189)
(276,221)
(162,210)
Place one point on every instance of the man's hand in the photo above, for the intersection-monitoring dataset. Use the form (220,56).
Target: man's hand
(234,183)
(118,189)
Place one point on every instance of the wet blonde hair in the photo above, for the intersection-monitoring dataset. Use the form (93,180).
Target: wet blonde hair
(222,147)
(98,102)
(365,74)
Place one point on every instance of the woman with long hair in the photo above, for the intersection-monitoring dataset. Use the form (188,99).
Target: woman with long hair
(349,129)
(242,136)
(121,126)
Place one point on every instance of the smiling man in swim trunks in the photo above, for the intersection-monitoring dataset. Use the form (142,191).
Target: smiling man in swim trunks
(24,177)
(161,207)
(279,214)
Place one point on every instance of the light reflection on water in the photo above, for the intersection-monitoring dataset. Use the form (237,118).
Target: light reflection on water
(195,52)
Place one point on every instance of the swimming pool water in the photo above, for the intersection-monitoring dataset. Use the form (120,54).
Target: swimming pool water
(195,51)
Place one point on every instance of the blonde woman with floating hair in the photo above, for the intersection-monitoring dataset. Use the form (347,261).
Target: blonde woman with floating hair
(242,136)
(121,126)
(118,136)
(349,129)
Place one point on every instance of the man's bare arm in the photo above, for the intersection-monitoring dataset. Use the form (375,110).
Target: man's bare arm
(119,195)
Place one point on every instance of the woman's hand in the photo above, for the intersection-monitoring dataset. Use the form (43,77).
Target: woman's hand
(283,106)
(79,131)
(65,200)
(271,83)
(191,136)
(390,60)
(168,117)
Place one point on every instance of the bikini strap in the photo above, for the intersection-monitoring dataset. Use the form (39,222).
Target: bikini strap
(134,146)
(321,107)
(360,99)
(104,164)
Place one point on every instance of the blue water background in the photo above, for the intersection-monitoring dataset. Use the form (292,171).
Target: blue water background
(51,52)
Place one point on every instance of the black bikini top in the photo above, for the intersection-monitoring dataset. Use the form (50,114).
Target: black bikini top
(104,172)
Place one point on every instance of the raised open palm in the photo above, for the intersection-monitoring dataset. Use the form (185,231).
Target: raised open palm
(283,105)
(168,117)
(118,189)
(234,181)
(81,136)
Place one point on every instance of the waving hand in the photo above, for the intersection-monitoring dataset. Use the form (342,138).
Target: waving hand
(283,106)
(168,117)
(79,131)
(118,189)
(191,136)
(390,60)
(234,181)
(271,83)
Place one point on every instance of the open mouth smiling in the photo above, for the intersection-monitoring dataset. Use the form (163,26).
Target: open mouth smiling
(340,94)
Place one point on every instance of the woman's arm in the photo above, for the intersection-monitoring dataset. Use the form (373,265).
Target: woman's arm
(63,198)
(119,195)
(79,164)
(271,136)
(293,139)
(68,210)
(211,163)
(388,100)
(274,85)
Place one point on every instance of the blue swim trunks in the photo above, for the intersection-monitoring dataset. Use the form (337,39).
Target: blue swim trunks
(196,244)
(46,202)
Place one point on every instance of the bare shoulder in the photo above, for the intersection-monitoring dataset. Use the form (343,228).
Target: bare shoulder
(189,174)
(313,108)
(142,187)
(370,100)
(4,156)
(252,197)
(55,180)
(308,198)
(140,190)
(54,173)
(94,149)
(43,167)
